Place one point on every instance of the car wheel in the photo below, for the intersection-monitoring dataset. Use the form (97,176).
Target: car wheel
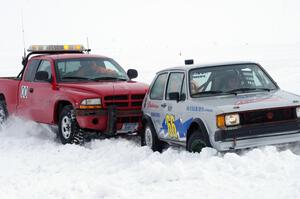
(150,139)
(196,142)
(3,112)
(69,131)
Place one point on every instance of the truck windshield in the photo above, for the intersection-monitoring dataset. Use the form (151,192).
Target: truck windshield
(229,79)
(89,69)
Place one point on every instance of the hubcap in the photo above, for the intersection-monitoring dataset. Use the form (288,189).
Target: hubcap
(148,137)
(66,127)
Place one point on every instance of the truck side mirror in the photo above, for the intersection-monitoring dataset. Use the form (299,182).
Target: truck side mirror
(132,73)
(42,76)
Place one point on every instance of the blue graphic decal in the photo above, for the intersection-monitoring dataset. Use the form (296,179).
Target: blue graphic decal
(181,128)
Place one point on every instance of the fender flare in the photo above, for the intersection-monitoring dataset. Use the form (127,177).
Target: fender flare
(197,123)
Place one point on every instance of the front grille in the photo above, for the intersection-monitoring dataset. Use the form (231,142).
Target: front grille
(124,101)
(116,97)
(141,96)
(268,115)
(117,104)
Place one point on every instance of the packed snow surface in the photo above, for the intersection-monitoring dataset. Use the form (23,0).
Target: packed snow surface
(33,164)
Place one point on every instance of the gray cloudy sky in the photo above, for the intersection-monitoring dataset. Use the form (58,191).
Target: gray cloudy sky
(129,28)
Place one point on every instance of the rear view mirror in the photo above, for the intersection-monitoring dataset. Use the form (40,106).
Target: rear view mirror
(132,73)
(42,76)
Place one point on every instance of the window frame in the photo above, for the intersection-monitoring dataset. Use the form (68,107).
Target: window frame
(167,84)
(157,76)
(36,66)
(37,69)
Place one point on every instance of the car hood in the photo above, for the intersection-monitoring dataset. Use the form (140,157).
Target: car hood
(105,88)
(250,101)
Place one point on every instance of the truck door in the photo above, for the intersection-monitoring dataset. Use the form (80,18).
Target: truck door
(176,122)
(40,95)
(23,96)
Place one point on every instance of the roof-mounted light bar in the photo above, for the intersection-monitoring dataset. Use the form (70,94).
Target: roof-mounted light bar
(53,48)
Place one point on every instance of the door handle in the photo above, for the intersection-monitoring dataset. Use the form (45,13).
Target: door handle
(31,90)
(163,105)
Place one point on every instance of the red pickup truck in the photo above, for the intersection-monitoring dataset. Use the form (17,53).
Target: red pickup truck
(84,95)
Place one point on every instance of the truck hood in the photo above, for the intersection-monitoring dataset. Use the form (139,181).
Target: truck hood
(250,101)
(104,88)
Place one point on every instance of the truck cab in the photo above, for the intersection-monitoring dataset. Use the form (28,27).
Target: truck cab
(85,95)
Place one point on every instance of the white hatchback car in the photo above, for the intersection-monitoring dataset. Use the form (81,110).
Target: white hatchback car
(225,106)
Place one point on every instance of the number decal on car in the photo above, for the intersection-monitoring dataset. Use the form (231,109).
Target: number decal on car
(172,131)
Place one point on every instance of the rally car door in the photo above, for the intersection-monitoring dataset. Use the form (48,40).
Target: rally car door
(174,123)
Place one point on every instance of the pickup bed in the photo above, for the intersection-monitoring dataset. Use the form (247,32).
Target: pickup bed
(84,95)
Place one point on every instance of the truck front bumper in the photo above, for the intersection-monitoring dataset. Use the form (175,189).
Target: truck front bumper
(110,121)
(257,135)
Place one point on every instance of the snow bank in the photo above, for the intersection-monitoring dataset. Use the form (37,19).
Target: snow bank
(35,165)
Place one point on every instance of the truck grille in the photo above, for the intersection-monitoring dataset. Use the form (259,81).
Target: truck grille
(268,115)
(124,101)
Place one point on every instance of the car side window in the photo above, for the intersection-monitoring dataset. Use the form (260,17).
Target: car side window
(157,90)
(45,66)
(174,83)
(31,69)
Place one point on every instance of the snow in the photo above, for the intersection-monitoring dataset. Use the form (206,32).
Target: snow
(35,165)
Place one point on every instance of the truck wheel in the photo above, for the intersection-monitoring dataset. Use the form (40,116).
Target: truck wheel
(150,139)
(3,112)
(196,142)
(69,131)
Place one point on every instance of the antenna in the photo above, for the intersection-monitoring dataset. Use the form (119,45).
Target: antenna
(87,45)
(23,33)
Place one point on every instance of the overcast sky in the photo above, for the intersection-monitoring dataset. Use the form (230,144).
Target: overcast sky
(129,29)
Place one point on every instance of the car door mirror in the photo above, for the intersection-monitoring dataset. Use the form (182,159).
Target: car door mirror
(132,73)
(174,96)
(42,76)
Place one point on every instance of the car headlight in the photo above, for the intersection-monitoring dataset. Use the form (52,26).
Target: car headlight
(91,103)
(228,120)
(298,112)
(232,119)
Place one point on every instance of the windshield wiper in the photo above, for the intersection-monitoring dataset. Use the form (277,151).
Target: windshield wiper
(235,91)
(75,77)
(108,78)
(207,92)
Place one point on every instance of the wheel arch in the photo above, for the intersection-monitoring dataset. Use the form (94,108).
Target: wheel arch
(197,124)
(2,97)
(147,119)
(59,105)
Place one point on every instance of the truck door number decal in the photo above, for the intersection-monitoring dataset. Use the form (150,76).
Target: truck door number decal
(170,122)
(24,91)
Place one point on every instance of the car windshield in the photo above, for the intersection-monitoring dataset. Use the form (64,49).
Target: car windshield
(228,79)
(89,69)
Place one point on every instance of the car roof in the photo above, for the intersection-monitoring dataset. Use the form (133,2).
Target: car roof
(68,56)
(213,64)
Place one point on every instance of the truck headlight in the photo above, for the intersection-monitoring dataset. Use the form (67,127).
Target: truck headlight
(298,112)
(232,119)
(94,103)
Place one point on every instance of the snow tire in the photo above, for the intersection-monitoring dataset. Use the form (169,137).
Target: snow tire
(149,138)
(69,131)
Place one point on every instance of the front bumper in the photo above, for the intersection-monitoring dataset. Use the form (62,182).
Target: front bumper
(257,135)
(109,121)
